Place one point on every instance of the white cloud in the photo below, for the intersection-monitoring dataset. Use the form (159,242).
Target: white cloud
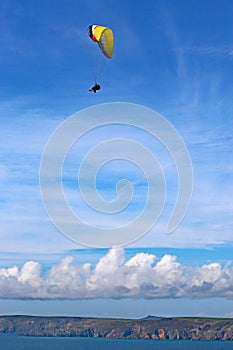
(226,50)
(142,276)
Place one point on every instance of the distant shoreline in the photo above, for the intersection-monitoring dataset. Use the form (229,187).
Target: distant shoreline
(150,327)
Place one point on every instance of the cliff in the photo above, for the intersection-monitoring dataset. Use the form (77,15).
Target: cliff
(148,328)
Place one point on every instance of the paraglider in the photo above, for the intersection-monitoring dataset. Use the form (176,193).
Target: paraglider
(95,87)
(105,39)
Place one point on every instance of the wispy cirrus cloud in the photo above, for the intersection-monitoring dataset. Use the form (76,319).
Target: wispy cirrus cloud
(225,50)
(207,222)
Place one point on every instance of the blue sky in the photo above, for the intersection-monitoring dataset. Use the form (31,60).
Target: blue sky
(174,57)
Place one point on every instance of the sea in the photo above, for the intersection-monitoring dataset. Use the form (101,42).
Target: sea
(12,342)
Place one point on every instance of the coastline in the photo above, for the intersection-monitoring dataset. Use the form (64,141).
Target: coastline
(155,328)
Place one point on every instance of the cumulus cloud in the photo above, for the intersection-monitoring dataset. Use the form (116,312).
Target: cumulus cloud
(113,276)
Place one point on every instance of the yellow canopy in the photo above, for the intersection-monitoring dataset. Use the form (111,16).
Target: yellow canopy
(104,37)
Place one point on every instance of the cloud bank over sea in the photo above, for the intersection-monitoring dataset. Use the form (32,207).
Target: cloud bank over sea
(141,276)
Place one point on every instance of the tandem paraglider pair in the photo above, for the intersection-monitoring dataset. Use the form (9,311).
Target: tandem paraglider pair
(105,39)
(95,87)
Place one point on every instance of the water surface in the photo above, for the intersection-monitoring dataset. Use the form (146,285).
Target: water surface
(11,342)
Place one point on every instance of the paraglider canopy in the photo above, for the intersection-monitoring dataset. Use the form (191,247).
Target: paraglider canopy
(104,37)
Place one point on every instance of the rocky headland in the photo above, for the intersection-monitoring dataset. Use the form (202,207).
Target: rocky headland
(148,328)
